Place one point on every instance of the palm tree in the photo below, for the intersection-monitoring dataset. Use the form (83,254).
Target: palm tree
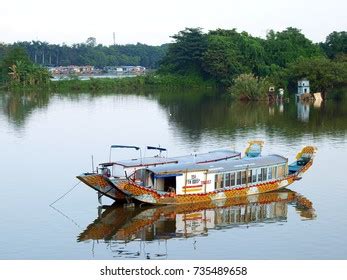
(13,73)
(18,72)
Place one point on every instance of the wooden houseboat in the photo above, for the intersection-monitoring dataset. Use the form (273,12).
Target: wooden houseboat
(107,176)
(185,182)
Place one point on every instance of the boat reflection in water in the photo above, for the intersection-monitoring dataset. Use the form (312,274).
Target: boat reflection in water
(119,224)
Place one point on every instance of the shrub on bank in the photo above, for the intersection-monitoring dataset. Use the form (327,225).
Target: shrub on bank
(249,87)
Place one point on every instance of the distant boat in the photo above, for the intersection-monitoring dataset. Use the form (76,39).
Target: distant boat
(213,176)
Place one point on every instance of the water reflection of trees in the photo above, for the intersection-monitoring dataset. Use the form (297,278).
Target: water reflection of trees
(223,116)
(195,113)
(17,107)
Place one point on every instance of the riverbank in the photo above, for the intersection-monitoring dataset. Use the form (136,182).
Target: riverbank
(135,83)
(152,81)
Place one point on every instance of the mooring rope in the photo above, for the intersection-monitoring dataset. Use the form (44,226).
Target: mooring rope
(66,216)
(65,194)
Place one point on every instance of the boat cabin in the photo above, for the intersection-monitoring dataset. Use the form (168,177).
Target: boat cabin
(127,168)
(192,178)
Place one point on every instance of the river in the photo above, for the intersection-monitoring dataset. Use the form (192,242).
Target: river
(48,139)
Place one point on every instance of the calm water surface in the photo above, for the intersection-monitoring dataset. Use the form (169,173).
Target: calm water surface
(48,139)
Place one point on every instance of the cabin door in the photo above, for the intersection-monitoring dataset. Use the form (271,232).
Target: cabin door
(218,183)
(170,184)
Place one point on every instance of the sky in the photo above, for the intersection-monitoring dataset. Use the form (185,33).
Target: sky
(154,21)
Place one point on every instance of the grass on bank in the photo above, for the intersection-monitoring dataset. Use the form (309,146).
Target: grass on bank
(131,83)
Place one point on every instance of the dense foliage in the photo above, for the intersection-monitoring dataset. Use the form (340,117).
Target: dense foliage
(249,87)
(89,53)
(18,70)
(283,57)
(224,57)
(335,44)
(323,73)
(185,56)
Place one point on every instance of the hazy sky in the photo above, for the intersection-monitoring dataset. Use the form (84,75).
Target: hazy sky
(153,21)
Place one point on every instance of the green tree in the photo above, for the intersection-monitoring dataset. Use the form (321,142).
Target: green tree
(3,49)
(185,55)
(287,46)
(18,73)
(335,44)
(221,60)
(90,53)
(91,42)
(12,56)
(323,73)
(230,53)
(18,70)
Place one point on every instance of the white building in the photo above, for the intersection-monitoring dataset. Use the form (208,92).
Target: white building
(303,86)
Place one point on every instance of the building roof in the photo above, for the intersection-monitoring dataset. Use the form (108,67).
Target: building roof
(220,166)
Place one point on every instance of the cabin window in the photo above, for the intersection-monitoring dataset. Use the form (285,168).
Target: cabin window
(243,177)
(249,180)
(254,176)
(260,177)
(227,180)
(264,173)
(269,174)
(151,180)
(238,178)
(274,172)
(140,174)
(232,179)
(222,184)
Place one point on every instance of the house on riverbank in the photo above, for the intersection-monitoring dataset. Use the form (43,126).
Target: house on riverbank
(73,69)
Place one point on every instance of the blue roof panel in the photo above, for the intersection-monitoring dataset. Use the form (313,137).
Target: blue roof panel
(222,165)
(193,158)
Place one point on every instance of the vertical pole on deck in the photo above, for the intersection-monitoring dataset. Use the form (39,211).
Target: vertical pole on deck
(247,170)
(185,181)
(205,180)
